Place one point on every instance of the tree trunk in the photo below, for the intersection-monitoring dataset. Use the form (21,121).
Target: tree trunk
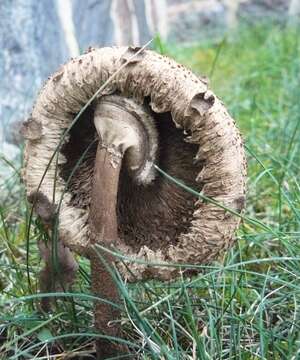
(294,9)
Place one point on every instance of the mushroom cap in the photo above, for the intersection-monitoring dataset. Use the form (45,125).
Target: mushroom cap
(199,144)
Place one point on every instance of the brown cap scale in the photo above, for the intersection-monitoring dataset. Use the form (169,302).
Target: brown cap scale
(154,111)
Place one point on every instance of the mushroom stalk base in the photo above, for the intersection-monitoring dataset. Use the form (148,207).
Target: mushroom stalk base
(104,231)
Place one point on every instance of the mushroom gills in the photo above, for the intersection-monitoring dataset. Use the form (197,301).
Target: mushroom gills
(151,211)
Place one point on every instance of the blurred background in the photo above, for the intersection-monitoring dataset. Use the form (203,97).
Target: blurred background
(37,36)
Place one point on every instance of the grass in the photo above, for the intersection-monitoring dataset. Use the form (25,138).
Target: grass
(246,305)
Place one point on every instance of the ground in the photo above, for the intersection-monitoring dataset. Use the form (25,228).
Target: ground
(245,305)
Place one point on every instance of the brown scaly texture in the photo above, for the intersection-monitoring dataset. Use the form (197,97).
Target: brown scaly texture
(198,142)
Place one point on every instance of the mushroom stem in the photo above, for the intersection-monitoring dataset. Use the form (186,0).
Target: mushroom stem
(126,131)
(104,229)
(104,195)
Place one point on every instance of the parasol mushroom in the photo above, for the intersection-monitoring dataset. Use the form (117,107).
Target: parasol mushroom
(150,111)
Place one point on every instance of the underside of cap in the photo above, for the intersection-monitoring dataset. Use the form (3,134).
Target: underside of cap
(198,144)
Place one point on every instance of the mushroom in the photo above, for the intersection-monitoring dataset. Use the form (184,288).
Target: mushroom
(150,112)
